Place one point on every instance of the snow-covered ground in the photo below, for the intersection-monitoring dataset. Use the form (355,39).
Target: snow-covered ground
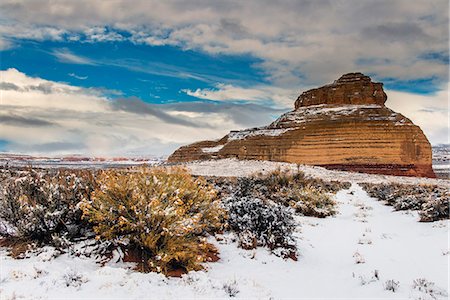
(388,246)
(242,168)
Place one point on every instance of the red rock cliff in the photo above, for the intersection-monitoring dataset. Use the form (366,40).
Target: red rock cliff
(352,88)
(344,125)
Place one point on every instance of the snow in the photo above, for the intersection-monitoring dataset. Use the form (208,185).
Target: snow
(306,114)
(243,134)
(393,243)
(242,168)
(441,166)
(212,149)
(57,163)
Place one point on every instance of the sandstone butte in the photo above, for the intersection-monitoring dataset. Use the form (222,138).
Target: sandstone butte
(344,125)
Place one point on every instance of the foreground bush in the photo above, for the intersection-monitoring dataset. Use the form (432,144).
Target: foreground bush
(431,201)
(42,206)
(310,201)
(261,223)
(165,213)
(308,196)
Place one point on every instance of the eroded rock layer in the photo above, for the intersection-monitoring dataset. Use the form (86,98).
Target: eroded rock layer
(352,88)
(344,125)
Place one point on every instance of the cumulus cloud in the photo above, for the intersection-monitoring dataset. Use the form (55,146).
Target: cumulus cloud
(58,118)
(299,42)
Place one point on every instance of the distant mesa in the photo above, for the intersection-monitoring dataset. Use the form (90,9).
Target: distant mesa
(344,125)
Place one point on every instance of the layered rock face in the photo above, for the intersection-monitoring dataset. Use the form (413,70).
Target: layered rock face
(344,125)
(352,88)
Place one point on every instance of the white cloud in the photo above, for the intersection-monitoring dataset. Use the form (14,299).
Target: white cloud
(5,44)
(78,76)
(300,42)
(100,34)
(65,56)
(27,31)
(430,112)
(46,117)
(258,94)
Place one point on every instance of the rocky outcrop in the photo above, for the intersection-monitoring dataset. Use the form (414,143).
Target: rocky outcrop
(352,88)
(344,125)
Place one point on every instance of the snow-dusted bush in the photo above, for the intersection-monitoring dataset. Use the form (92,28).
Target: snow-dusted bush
(435,209)
(359,259)
(431,201)
(365,280)
(231,288)
(310,201)
(73,278)
(428,288)
(42,206)
(391,285)
(308,196)
(164,213)
(279,179)
(261,223)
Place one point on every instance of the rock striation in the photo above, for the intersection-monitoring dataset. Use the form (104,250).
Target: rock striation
(352,88)
(344,125)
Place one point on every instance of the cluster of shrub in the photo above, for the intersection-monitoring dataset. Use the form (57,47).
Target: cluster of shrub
(159,216)
(43,206)
(261,207)
(431,201)
(306,195)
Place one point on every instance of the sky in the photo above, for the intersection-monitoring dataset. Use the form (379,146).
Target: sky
(141,78)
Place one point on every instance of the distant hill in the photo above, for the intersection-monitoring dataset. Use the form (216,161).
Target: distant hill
(441,160)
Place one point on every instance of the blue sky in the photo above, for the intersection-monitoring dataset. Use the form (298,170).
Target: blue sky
(155,74)
(143,77)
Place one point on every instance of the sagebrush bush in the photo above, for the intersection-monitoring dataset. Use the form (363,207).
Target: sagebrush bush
(435,209)
(310,201)
(261,223)
(165,212)
(280,179)
(307,196)
(42,206)
(431,201)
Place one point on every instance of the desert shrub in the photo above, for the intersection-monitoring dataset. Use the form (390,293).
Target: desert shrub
(42,206)
(276,185)
(311,202)
(73,278)
(435,209)
(163,212)
(431,201)
(261,223)
(408,202)
(310,197)
(391,285)
(428,288)
(231,288)
(284,179)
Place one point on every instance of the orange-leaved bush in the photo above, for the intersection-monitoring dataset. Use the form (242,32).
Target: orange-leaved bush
(163,211)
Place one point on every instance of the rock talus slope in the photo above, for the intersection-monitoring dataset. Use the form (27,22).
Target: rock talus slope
(344,125)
